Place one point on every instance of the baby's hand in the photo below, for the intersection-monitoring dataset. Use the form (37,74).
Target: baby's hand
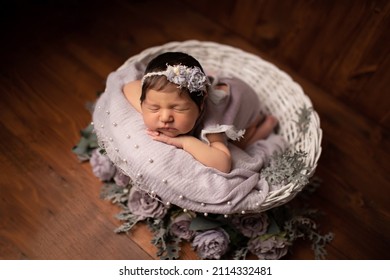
(174,141)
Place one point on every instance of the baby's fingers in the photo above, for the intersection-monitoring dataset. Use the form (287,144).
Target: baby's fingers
(166,139)
(152,132)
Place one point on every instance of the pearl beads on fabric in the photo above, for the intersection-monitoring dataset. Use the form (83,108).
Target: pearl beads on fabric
(140,181)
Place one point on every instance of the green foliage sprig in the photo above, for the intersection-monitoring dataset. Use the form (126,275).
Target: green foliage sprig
(286,167)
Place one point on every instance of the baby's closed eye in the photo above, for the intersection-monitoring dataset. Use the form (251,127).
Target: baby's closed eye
(153,108)
(181,108)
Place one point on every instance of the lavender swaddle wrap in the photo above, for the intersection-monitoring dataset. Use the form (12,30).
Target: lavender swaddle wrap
(172,174)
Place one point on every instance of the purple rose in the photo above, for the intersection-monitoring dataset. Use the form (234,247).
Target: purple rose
(180,226)
(211,244)
(177,74)
(120,178)
(102,166)
(251,225)
(190,77)
(143,205)
(270,248)
(196,80)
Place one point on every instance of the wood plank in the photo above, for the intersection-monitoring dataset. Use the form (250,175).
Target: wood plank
(70,223)
(341,46)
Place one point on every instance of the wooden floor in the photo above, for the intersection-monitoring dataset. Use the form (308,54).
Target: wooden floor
(54,59)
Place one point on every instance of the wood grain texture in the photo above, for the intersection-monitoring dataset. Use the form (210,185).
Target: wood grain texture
(56,57)
(342,46)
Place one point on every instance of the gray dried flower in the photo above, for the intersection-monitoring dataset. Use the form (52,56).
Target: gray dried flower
(143,205)
(211,244)
(102,166)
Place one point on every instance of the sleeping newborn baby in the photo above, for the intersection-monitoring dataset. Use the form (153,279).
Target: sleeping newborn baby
(182,107)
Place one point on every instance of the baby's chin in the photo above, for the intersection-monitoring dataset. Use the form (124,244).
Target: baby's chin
(170,132)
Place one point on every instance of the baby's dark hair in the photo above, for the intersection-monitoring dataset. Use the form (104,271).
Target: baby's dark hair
(159,63)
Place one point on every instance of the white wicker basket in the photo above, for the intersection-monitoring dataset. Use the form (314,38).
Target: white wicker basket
(277,93)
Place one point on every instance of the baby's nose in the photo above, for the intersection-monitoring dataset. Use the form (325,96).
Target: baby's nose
(166,116)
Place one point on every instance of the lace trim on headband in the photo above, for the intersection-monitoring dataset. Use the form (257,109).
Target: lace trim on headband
(191,78)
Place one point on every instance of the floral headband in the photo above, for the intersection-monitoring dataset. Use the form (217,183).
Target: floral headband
(185,77)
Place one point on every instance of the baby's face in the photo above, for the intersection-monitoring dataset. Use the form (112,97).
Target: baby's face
(169,112)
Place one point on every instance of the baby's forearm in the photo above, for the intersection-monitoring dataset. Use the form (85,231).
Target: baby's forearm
(215,155)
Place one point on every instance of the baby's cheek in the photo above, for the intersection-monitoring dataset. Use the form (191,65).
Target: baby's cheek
(149,123)
(186,129)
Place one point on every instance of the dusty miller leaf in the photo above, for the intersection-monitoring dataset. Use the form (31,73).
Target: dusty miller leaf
(172,249)
(286,167)
(88,142)
(319,242)
(240,254)
(125,227)
(303,226)
(114,193)
(130,218)
(168,246)
(303,121)
(126,215)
